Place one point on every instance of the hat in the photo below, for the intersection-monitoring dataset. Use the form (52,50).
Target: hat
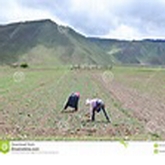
(77,94)
(87,101)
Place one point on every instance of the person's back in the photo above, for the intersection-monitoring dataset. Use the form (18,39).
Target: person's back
(93,102)
(96,105)
(73,101)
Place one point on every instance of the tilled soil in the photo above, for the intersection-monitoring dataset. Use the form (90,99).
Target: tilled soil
(134,114)
(148,108)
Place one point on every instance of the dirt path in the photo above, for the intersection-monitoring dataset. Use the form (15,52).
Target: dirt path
(148,109)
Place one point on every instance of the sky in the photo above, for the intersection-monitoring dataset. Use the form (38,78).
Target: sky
(119,19)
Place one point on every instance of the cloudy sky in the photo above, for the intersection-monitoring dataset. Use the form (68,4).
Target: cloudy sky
(121,19)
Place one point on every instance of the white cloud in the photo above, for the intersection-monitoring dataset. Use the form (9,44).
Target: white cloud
(114,18)
(123,32)
(14,12)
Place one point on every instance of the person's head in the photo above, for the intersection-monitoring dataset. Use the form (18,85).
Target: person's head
(87,102)
(77,94)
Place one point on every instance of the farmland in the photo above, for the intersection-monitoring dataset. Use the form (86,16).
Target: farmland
(31,101)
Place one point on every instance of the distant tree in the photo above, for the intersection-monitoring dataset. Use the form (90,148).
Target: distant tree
(24,65)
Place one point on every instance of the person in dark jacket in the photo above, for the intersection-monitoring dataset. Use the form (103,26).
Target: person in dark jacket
(96,105)
(73,101)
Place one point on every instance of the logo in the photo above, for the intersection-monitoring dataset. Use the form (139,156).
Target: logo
(19,77)
(4,146)
(108,77)
(124,143)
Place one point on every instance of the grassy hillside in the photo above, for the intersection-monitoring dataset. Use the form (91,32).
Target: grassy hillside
(149,52)
(45,42)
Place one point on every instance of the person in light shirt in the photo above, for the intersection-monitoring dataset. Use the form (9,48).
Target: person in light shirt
(96,105)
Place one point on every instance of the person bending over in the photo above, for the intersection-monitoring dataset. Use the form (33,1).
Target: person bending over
(96,105)
(73,101)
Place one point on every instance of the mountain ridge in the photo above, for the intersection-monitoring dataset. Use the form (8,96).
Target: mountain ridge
(67,45)
(41,42)
(146,51)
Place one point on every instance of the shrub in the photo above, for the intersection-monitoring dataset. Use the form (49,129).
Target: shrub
(24,65)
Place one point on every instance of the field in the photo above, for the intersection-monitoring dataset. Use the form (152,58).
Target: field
(31,101)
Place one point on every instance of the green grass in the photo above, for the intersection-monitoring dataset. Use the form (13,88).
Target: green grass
(143,79)
(32,108)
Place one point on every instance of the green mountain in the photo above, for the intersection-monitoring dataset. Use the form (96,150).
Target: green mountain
(144,52)
(46,43)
